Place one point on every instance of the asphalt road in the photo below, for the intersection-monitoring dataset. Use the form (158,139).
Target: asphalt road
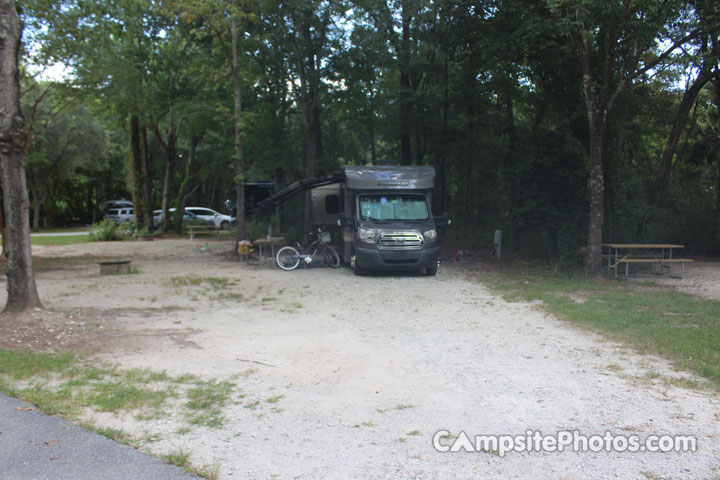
(37,446)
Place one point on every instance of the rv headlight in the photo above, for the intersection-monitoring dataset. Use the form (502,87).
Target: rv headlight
(366,234)
(430,234)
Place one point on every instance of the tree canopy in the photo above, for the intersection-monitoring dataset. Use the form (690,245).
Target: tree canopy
(565,123)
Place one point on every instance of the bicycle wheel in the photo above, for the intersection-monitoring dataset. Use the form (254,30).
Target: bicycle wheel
(331,257)
(287,258)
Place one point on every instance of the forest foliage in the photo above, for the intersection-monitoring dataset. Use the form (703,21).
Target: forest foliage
(518,106)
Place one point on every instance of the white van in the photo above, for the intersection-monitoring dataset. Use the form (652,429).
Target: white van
(121,215)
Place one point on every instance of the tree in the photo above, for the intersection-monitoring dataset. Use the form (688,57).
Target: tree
(214,25)
(240,233)
(112,48)
(303,36)
(708,57)
(615,43)
(22,292)
(63,137)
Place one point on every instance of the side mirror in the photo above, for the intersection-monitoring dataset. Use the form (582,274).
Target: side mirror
(345,222)
(443,220)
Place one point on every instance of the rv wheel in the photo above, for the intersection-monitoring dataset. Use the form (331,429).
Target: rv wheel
(431,271)
(357,270)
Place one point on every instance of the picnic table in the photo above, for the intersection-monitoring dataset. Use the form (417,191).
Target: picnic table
(268,242)
(651,253)
(194,230)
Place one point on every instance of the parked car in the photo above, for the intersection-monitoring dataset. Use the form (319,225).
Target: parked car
(121,215)
(211,216)
(188,218)
(199,216)
(115,205)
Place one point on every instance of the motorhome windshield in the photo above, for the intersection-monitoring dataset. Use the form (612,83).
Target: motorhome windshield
(393,207)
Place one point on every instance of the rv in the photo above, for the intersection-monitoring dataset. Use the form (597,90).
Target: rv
(384,214)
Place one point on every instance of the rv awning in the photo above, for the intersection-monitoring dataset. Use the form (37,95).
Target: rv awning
(298,187)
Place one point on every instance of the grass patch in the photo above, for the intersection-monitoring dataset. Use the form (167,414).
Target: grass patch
(681,327)
(217,283)
(368,424)
(60,385)
(64,384)
(116,396)
(83,228)
(62,401)
(231,296)
(205,402)
(399,406)
(185,281)
(114,434)
(21,364)
(181,459)
(62,240)
(178,458)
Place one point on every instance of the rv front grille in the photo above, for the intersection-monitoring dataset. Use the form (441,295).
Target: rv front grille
(408,261)
(400,240)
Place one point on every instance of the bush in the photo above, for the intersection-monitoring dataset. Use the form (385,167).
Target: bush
(257,229)
(106,231)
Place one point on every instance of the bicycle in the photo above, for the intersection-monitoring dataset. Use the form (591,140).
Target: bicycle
(288,257)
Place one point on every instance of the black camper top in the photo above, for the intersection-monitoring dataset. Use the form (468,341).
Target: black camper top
(389,178)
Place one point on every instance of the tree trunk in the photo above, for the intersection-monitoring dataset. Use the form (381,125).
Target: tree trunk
(597,106)
(373,147)
(138,200)
(313,133)
(38,201)
(593,266)
(182,195)
(240,233)
(147,186)
(2,231)
(688,100)
(717,199)
(445,137)
(166,193)
(22,291)
(468,187)
(716,85)
(404,64)
(170,148)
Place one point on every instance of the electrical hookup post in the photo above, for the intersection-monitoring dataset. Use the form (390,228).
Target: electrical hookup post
(497,244)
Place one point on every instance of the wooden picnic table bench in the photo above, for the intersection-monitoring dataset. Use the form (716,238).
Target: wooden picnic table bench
(650,253)
(203,229)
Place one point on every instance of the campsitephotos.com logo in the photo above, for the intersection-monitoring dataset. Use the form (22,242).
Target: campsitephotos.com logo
(570,440)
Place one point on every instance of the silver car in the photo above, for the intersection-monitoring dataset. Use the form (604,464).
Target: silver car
(199,216)
(211,216)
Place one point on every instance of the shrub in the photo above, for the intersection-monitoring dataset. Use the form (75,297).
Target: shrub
(105,231)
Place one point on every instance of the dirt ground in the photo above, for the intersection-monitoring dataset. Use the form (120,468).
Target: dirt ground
(350,377)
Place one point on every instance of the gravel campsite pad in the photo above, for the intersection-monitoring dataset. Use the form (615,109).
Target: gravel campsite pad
(338,376)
